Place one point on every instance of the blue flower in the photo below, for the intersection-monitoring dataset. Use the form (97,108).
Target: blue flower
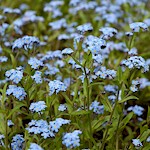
(67,51)
(56,25)
(35,63)
(96,107)
(15,75)
(106,73)
(40,127)
(138,110)
(137,143)
(62,107)
(10,123)
(26,42)
(137,25)
(108,32)
(37,77)
(55,125)
(37,107)
(34,146)
(17,92)
(94,44)
(56,86)
(17,142)
(1,140)
(136,62)
(111,88)
(3,59)
(84,28)
(71,140)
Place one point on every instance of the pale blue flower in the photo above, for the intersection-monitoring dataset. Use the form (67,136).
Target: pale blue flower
(17,92)
(108,32)
(137,25)
(3,59)
(37,77)
(35,63)
(137,143)
(15,75)
(17,142)
(34,146)
(10,123)
(136,62)
(37,107)
(98,109)
(56,86)
(84,28)
(67,51)
(71,140)
(138,110)
(62,107)
(26,42)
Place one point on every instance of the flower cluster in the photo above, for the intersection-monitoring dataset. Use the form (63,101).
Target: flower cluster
(15,75)
(3,59)
(96,107)
(56,86)
(108,32)
(137,25)
(17,142)
(136,62)
(16,91)
(135,85)
(34,146)
(35,63)
(37,77)
(138,110)
(45,129)
(37,107)
(62,107)
(84,28)
(26,42)
(106,73)
(71,140)
(137,143)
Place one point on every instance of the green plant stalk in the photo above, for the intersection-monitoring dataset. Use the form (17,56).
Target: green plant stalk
(88,105)
(6,134)
(117,134)
(109,122)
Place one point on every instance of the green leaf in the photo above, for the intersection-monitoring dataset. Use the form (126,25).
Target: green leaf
(97,83)
(15,109)
(107,104)
(14,63)
(145,135)
(126,120)
(77,62)
(85,86)
(119,74)
(128,98)
(80,112)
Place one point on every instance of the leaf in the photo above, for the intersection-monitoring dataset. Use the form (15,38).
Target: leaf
(77,62)
(128,98)
(107,104)
(80,112)
(126,120)
(119,74)
(97,83)
(145,135)
(14,63)
(85,85)
(15,109)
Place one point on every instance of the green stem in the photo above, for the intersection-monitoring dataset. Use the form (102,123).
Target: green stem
(88,105)
(109,123)
(117,134)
